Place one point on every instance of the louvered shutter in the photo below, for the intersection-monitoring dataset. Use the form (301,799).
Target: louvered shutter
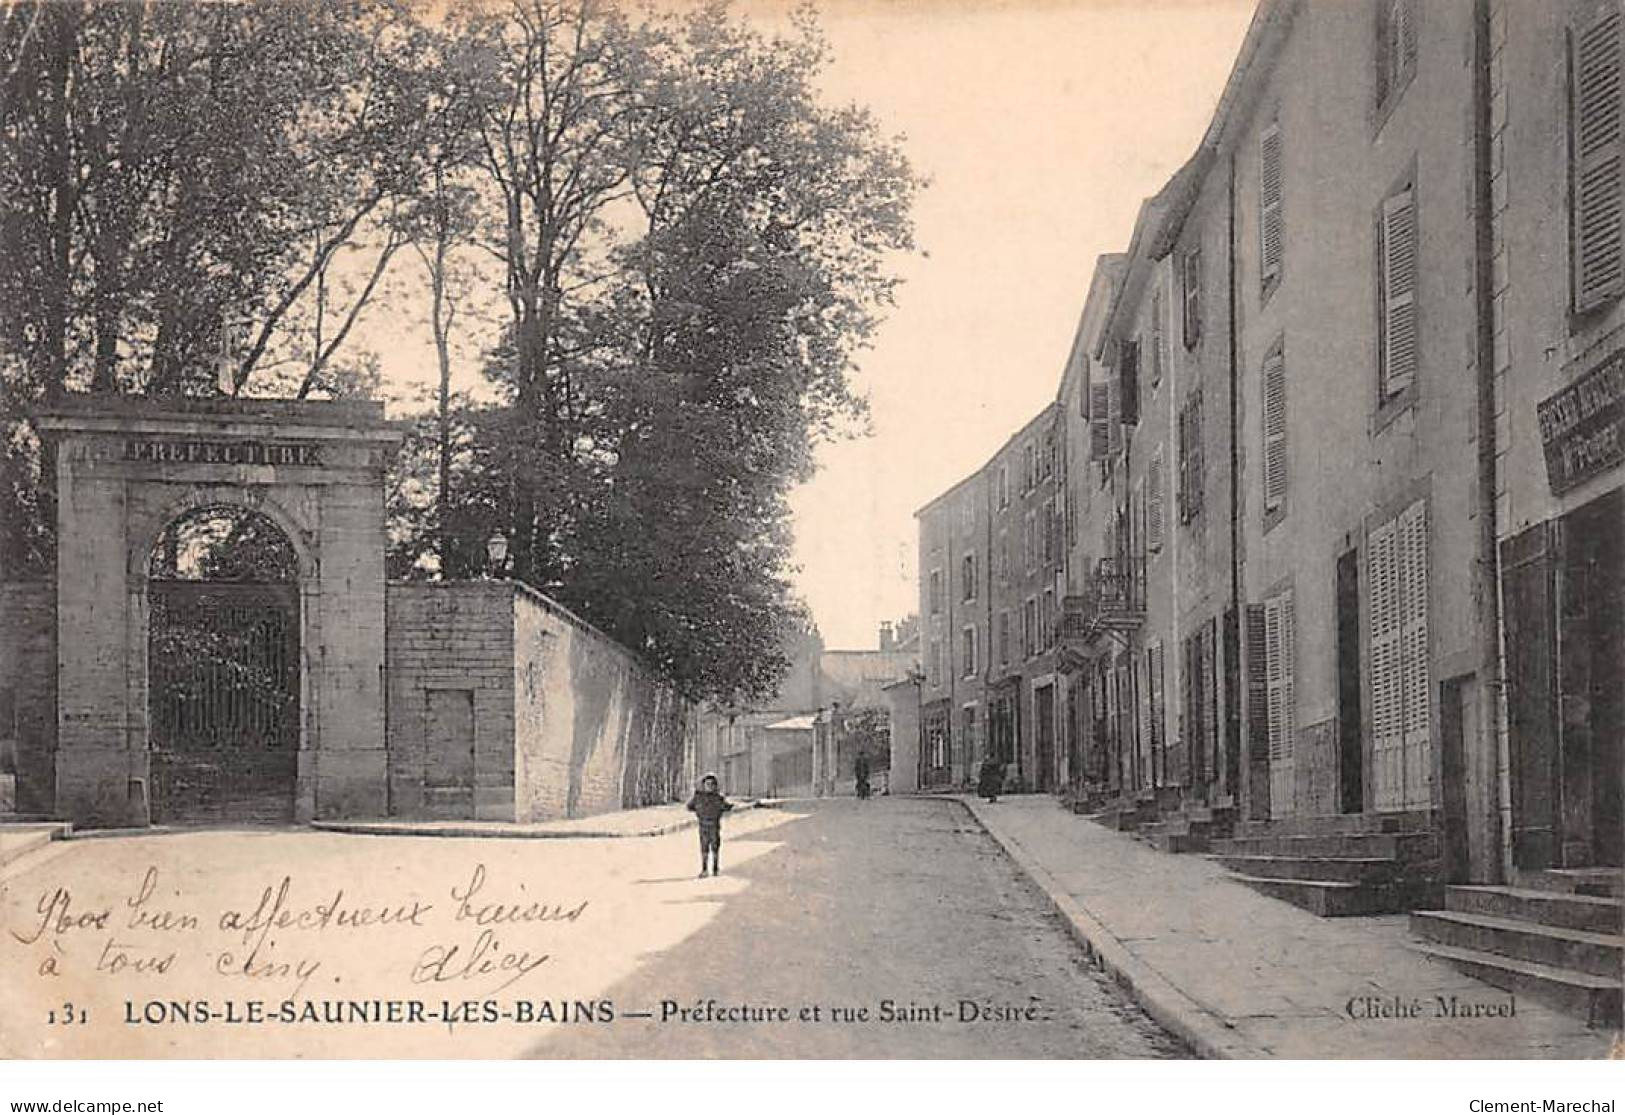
(1274,397)
(1158,704)
(1192,289)
(1412,560)
(1099,414)
(1208,668)
(1155,484)
(1157,335)
(1114,419)
(1279,654)
(1257,683)
(1270,196)
(1399,340)
(1595,146)
(1387,723)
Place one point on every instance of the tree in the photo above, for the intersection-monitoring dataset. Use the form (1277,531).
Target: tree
(186,183)
(693,248)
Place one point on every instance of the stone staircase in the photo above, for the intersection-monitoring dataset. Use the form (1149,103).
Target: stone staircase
(1192,829)
(1555,936)
(1337,866)
(20,835)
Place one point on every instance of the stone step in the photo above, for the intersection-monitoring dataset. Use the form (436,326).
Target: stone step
(1608,882)
(1333,900)
(1179,843)
(1337,824)
(1596,999)
(1326,869)
(18,838)
(1407,846)
(1546,907)
(1577,950)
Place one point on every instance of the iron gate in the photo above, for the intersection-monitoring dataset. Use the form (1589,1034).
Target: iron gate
(223,698)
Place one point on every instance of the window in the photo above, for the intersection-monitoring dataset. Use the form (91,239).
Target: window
(1595,175)
(938,746)
(1029,628)
(1396,48)
(1274,423)
(967,729)
(967,513)
(1052,541)
(1155,485)
(1397,580)
(1004,486)
(1158,336)
(1046,620)
(1029,474)
(1003,556)
(967,652)
(1128,380)
(1071,515)
(935,591)
(1270,196)
(967,577)
(1191,284)
(1029,541)
(1396,263)
(1099,415)
(1004,636)
(1046,457)
(934,664)
(1190,457)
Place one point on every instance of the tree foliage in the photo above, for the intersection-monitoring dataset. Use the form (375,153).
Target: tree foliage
(690,248)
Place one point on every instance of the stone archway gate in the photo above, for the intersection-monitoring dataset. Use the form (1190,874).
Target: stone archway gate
(125,469)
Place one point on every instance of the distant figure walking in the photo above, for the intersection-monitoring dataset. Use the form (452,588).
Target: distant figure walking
(860,773)
(990,779)
(709,806)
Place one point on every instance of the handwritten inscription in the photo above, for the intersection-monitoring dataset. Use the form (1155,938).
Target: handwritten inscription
(480,936)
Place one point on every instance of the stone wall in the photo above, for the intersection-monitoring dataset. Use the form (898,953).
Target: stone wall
(594,729)
(443,640)
(28,692)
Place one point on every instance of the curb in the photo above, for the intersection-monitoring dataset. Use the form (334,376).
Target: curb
(474,829)
(1207,1034)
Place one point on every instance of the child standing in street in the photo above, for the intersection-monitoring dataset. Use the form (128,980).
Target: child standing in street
(709,806)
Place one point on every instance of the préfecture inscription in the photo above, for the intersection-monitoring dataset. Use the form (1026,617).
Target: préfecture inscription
(198,452)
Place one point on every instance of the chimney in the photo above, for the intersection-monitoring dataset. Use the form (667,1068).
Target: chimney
(888,639)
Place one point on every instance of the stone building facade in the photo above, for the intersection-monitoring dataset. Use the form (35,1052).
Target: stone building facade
(1340,446)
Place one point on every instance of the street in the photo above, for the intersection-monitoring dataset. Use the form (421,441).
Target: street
(891,928)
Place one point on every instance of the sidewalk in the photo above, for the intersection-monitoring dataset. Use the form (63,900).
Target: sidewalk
(1236,974)
(654,820)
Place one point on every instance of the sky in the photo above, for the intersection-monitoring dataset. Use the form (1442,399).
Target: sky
(1041,126)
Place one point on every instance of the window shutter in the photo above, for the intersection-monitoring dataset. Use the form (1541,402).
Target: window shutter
(1412,559)
(1158,704)
(1114,419)
(1387,728)
(1398,292)
(1158,334)
(1099,415)
(1193,297)
(1257,682)
(1155,483)
(1594,113)
(1274,431)
(1197,479)
(1128,378)
(1269,205)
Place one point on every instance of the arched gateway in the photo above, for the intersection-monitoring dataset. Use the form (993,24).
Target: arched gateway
(188,688)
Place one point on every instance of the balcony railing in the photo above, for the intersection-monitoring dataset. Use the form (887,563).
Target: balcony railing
(1113,599)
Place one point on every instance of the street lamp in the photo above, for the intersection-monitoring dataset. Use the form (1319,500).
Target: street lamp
(496,550)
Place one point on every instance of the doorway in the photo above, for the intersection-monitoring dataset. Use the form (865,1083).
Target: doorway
(223,660)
